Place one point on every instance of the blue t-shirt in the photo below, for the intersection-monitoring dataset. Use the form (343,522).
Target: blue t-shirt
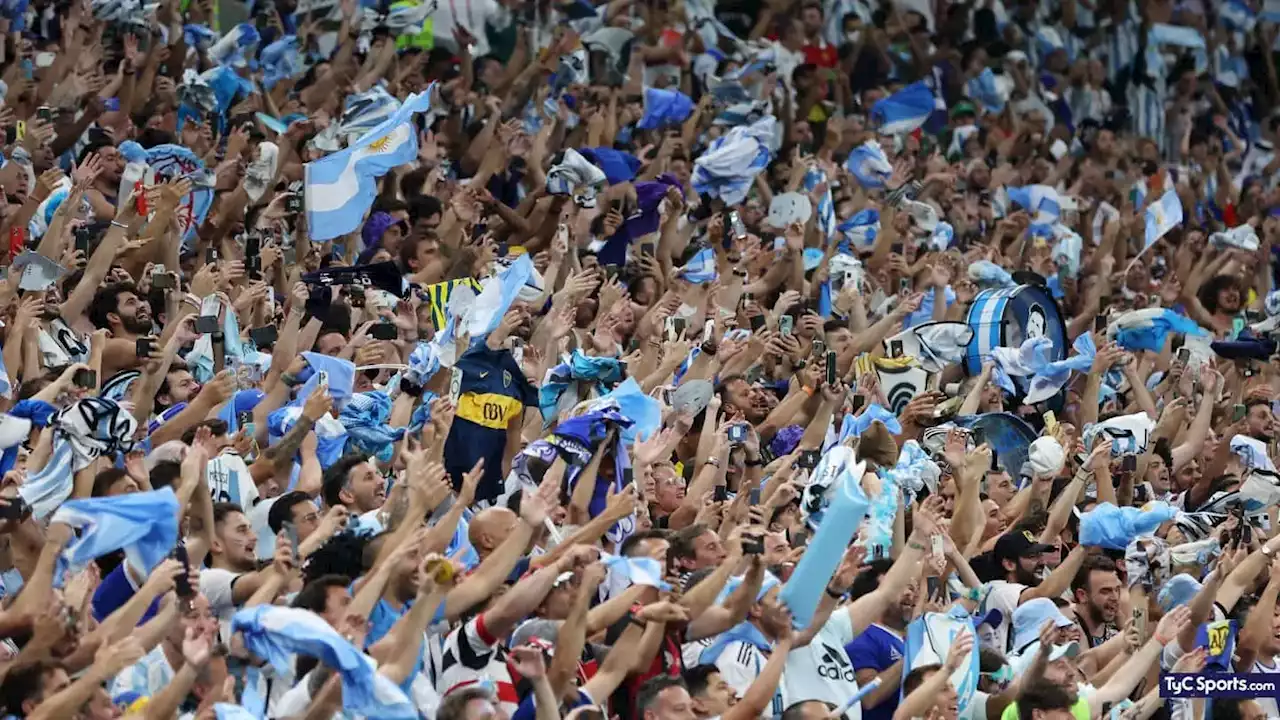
(877,648)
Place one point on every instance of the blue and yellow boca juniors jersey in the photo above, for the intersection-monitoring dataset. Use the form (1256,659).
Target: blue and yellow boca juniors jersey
(493,394)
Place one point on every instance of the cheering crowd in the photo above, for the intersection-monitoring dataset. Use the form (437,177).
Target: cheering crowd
(649,359)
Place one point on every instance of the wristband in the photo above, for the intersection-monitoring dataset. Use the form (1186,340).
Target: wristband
(410,388)
(117,223)
(290,379)
(713,462)
(755,463)
(836,594)
(808,390)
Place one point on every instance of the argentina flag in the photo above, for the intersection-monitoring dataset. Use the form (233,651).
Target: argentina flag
(905,110)
(277,634)
(869,165)
(1161,217)
(362,112)
(1042,201)
(728,167)
(813,177)
(235,45)
(340,188)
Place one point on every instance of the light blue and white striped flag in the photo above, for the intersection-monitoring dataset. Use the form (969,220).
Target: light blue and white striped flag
(984,90)
(496,297)
(623,572)
(869,165)
(1237,16)
(1042,202)
(826,209)
(233,47)
(144,525)
(364,111)
(905,110)
(340,188)
(1162,216)
(277,634)
(701,268)
(731,163)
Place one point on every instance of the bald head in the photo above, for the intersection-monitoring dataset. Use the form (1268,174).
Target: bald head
(490,527)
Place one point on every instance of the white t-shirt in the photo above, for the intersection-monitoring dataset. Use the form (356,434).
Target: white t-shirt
(822,670)
(977,708)
(474,15)
(1002,596)
(1268,704)
(216,585)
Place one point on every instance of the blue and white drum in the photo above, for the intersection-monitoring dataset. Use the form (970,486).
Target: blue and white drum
(1009,316)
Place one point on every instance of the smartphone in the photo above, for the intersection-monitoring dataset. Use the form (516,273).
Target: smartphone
(322,378)
(140,198)
(182,584)
(82,241)
(936,547)
(832,372)
(293,204)
(162,280)
(610,271)
(291,531)
(904,286)
(785,324)
(210,256)
(933,586)
(753,498)
(1100,323)
(1050,422)
(752,545)
(144,345)
(895,349)
(45,113)
(206,324)
(737,433)
(757,322)
(735,225)
(264,336)
(17,239)
(455,385)
(85,378)
(252,245)
(1184,355)
(720,494)
(856,402)
(819,348)
(979,437)
(709,331)
(385,331)
(1129,463)
(356,296)
(1238,412)
(244,419)
(800,538)
(808,459)
(15,510)
(648,249)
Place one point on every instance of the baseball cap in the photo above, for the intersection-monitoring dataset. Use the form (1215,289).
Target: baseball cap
(1016,544)
(1020,662)
(1030,616)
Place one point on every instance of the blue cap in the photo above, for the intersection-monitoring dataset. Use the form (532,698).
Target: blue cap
(1177,590)
(1029,617)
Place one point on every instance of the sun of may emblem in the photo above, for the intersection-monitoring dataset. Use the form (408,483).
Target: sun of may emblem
(380,144)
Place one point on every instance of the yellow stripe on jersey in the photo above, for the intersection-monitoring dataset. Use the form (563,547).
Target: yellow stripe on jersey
(491,410)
